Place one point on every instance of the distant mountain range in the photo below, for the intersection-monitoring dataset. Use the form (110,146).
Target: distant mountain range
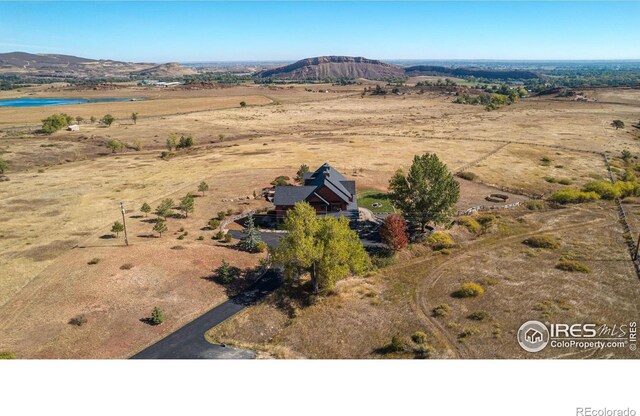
(318,68)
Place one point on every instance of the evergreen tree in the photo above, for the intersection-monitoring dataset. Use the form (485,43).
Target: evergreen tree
(203,187)
(187,205)
(146,208)
(160,226)
(117,228)
(618,124)
(250,237)
(300,174)
(157,316)
(165,208)
(225,273)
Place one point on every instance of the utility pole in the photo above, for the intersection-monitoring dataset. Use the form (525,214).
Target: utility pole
(635,256)
(124,224)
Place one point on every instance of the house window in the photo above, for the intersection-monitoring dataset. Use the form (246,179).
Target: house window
(336,207)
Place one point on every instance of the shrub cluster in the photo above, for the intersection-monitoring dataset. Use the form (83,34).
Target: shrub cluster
(78,320)
(469,290)
(441,310)
(469,176)
(572,266)
(470,223)
(542,241)
(535,205)
(594,190)
(485,220)
(573,196)
(440,240)
(479,316)
(419,337)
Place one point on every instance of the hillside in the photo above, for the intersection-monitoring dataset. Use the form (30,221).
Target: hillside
(66,66)
(334,67)
(169,70)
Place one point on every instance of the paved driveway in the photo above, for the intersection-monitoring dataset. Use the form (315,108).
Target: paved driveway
(189,342)
(272,239)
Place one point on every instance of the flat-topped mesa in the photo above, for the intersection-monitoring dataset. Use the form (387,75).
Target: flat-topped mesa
(335,67)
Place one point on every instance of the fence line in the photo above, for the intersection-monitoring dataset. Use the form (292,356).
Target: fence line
(622,215)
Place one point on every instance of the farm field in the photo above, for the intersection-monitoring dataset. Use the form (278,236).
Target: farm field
(64,193)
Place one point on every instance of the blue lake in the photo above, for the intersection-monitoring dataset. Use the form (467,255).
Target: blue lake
(42,102)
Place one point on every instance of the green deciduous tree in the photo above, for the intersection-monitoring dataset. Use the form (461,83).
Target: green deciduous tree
(203,187)
(117,228)
(428,193)
(187,205)
(108,120)
(300,174)
(55,122)
(325,247)
(172,141)
(160,226)
(185,142)
(114,145)
(243,104)
(250,237)
(146,208)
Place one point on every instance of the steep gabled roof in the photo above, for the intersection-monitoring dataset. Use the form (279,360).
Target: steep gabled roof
(290,195)
(325,175)
(332,179)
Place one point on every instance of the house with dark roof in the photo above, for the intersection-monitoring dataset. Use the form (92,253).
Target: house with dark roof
(326,190)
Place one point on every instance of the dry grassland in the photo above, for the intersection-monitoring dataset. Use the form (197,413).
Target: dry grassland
(65,190)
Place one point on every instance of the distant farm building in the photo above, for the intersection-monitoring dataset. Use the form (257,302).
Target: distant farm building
(326,190)
(73,127)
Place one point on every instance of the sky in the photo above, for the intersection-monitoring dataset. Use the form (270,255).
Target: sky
(288,31)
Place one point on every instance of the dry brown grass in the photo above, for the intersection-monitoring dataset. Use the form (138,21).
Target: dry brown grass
(519,285)
(65,189)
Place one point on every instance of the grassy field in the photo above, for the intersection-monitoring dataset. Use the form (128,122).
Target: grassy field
(374,200)
(65,189)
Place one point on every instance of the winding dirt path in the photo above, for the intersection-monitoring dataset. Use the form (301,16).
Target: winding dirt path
(423,308)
